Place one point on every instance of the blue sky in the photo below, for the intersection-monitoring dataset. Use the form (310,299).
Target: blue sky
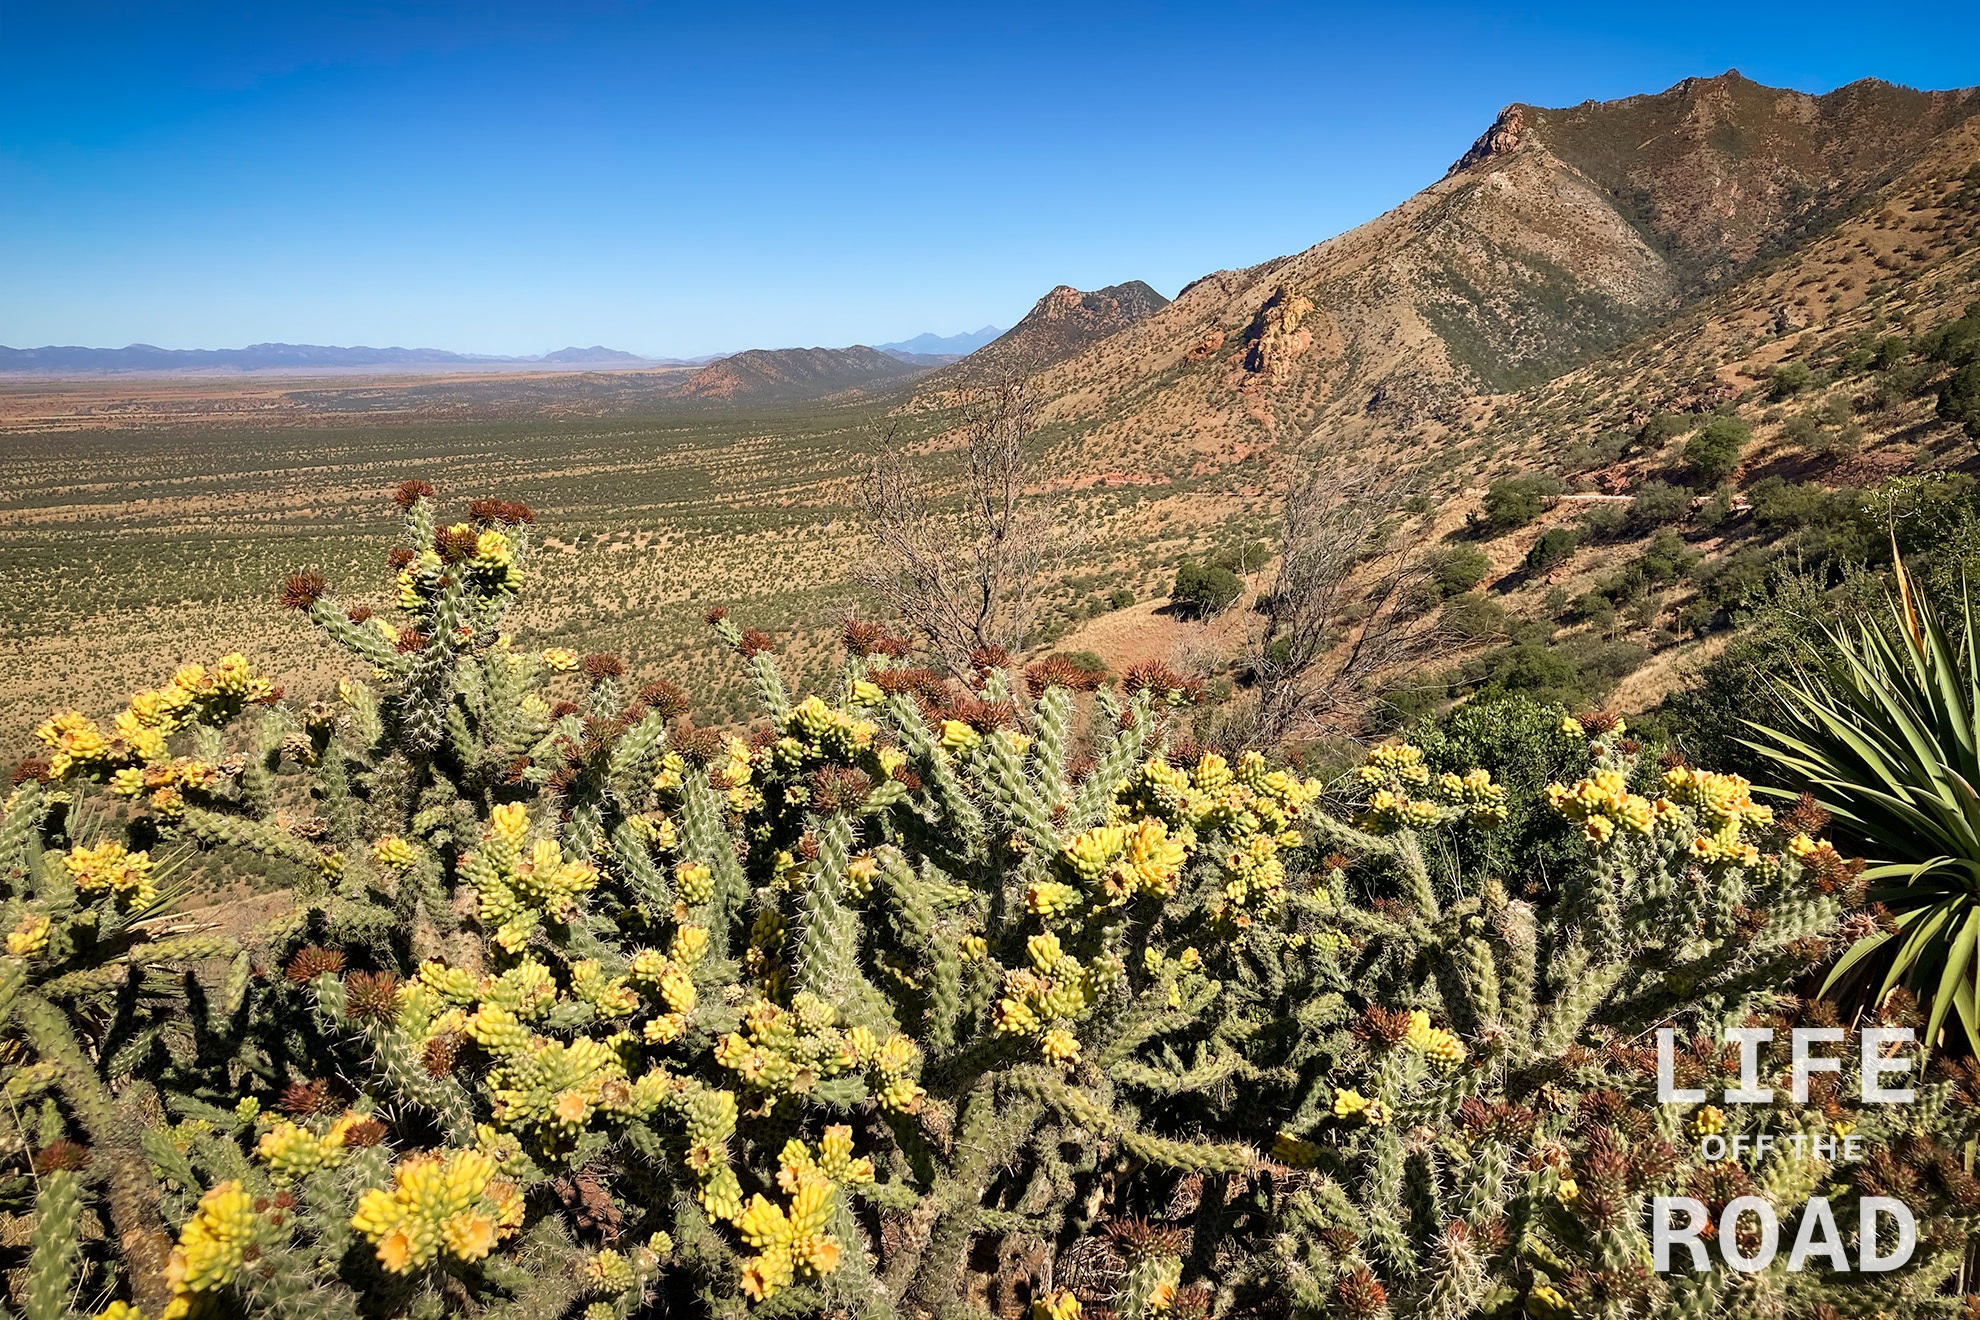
(675,179)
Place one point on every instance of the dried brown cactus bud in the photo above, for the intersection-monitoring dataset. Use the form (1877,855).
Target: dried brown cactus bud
(371,996)
(301,590)
(312,962)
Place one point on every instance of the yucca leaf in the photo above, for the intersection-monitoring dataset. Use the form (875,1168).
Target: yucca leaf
(1959,958)
(1858,951)
(1887,736)
(1924,925)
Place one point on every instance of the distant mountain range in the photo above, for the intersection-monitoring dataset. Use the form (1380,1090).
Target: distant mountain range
(921,352)
(304,357)
(948,347)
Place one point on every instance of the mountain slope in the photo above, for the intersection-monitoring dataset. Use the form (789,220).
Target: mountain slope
(1560,235)
(1062,323)
(1905,261)
(791,374)
(1723,170)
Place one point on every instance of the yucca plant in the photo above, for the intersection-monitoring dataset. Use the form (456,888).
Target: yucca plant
(1886,735)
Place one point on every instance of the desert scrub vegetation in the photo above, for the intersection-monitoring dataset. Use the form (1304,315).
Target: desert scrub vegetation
(124,554)
(924,996)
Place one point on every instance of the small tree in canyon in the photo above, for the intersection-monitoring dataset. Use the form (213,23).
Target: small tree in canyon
(1345,614)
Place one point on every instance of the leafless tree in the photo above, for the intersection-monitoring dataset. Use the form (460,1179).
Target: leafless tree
(1346,616)
(965,569)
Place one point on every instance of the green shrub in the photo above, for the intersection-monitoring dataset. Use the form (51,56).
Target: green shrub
(1523,744)
(1205,588)
(1714,453)
(1121,598)
(1472,617)
(1555,546)
(1959,403)
(1668,560)
(1663,428)
(1605,520)
(1086,661)
(1599,452)
(1657,503)
(1790,378)
(1716,509)
(1513,502)
(1955,343)
(1458,570)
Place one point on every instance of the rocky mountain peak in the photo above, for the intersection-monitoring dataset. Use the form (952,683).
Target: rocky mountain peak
(1064,322)
(1500,138)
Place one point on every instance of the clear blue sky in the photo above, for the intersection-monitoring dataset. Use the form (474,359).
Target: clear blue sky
(674,180)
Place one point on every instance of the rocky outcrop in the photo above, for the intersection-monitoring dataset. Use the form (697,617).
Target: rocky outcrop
(1274,337)
(1498,140)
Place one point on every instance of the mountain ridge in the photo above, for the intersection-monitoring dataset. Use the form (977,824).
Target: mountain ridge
(1060,325)
(793,374)
(1522,262)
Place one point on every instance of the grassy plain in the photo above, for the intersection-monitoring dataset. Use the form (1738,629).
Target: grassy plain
(142,529)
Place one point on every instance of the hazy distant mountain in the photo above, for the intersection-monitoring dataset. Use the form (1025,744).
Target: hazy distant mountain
(597,353)
(952,346)
(789,374)
(300,357)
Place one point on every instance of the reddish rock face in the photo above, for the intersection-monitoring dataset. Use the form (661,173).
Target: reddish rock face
(1497,140)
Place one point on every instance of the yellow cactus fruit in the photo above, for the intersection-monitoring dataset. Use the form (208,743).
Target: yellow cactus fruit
(449,1201)
(1060,1305)
(29,937)
(689,946)
(394,852)
(1060,1048)
(694,882)
(216,1241)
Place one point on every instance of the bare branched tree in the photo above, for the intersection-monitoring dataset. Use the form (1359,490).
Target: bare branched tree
(1345,618)
(965,569)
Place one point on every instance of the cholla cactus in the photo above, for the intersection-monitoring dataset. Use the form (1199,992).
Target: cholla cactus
(582,1007)
(1485,1134)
